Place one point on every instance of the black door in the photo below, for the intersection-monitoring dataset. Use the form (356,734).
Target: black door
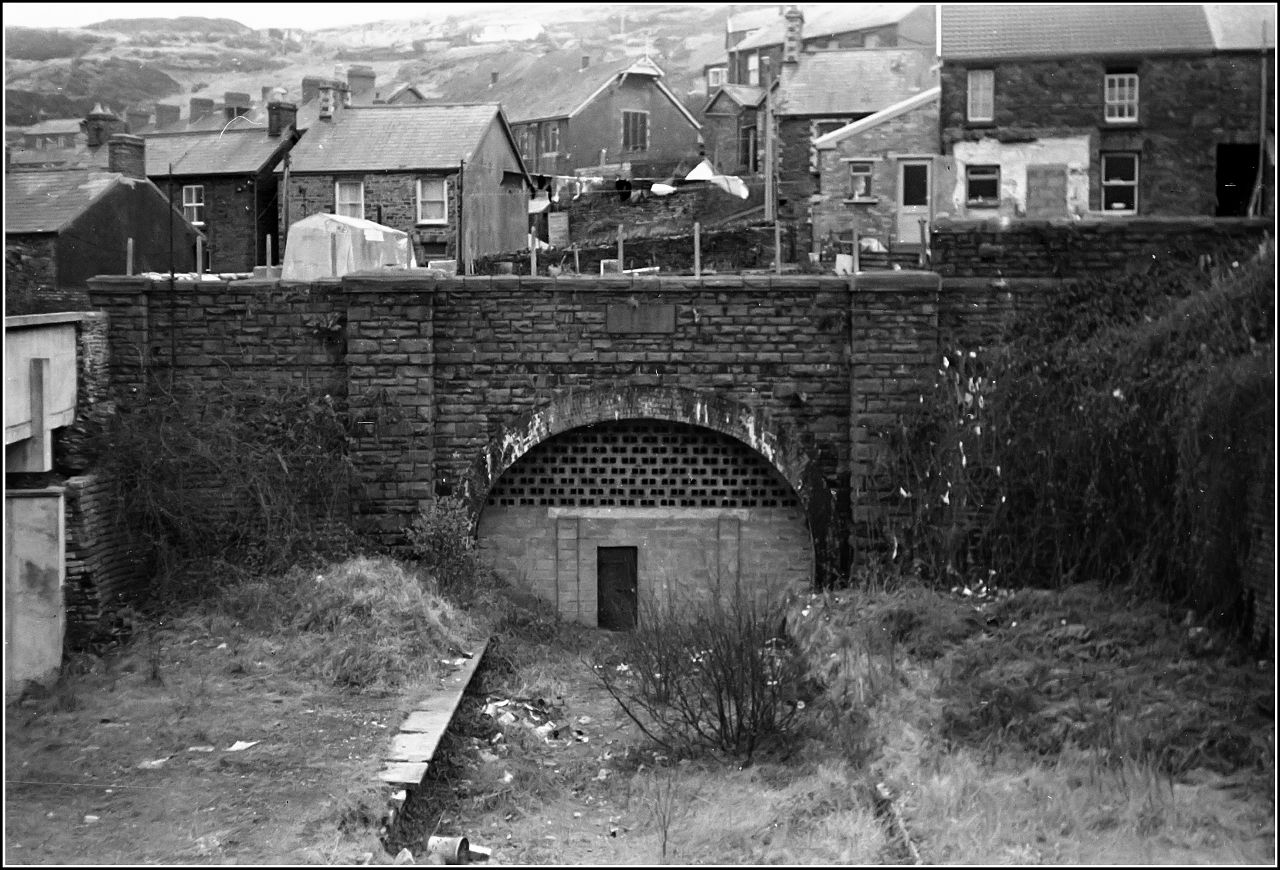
(1237,171)
(616,588)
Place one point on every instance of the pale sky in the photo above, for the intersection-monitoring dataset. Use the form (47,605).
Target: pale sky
(309,16)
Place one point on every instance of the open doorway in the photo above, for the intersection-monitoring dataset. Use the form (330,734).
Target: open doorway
(616,588)
(1237,172)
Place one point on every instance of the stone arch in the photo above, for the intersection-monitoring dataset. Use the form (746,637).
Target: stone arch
(778,443)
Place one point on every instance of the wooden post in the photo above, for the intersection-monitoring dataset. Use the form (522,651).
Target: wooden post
(856,251)
(128,257)
(923,259)
(533,253)
(577,268)
(777,247)
(199,255)
(697,249)
(621,263)
(333,256)
(269,251)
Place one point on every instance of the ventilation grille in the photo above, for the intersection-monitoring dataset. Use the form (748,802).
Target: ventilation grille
(642,463)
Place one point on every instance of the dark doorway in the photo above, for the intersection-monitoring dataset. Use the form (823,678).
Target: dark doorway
(1237,171)
(616,588)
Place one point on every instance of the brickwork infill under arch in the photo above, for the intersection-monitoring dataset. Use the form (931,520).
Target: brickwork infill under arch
(781,448)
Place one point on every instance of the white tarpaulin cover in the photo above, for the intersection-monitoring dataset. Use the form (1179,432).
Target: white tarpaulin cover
(330,246)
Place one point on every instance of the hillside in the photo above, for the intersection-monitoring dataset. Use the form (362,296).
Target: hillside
(134,63)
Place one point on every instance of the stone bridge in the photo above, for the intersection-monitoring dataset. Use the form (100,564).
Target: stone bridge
(610,434)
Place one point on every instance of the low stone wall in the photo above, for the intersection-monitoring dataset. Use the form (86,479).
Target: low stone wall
(1077,249)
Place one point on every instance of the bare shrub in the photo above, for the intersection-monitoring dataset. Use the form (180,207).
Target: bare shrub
(715,676)
(443,539)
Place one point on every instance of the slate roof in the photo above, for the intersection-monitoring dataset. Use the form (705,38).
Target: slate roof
(1242,26)
(869,80)
(54,127)
(410,137)
(1035,30)
(829,18)
(44,201)
(744,95)
(232,152)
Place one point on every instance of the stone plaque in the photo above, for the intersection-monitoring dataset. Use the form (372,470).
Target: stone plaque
(640,318)
(558,229)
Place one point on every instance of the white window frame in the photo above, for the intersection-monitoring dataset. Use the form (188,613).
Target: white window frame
(339,203)
(1120,97)
(550,137)
(982,95)
(443,199)
(632,149)
(1108,185)
(193,204)
(856,172)
(983,172)
(715,77)
(753,68)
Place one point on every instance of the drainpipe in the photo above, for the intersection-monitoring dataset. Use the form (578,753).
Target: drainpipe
(462,260)
(1255,199)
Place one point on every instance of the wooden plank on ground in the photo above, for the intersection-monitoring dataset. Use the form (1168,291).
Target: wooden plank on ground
(403,773)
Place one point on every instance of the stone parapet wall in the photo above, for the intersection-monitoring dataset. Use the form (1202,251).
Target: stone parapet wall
(1077,249)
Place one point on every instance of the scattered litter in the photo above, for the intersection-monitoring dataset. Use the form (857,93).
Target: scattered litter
(577,815)
(579,736)
(584,720)
(202,748)
(242,744)
(207,844)
(365,858)
(457,663)
(453,850)
(91,820)
(506,719)
(547,731)
(49,815)
(404,856)
(153,764)
(222,645)
(506,776)
(602,775)
(479,853)
(497,738)
(487,757)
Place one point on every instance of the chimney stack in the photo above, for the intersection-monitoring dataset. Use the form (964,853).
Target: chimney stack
(311,87)
(200,107)
(361,79)
(493,78)
(326,101)
(137,119)
(586,61)
(99,124)
(127,155)
(167,114)
(794,37)
(236,104)
(281,117)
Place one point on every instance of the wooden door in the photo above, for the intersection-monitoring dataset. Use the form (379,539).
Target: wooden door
(616,588)
(915,181)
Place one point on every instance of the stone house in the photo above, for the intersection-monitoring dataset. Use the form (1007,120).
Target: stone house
(877,175)
(569,111)
(65,225)
(225,183)
(1121,111)
(731,125)
(449,175)
(756,41)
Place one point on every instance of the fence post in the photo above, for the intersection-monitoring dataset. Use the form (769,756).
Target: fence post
(697,249)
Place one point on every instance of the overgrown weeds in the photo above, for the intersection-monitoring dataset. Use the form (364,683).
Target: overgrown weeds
(715,675)
(443,539)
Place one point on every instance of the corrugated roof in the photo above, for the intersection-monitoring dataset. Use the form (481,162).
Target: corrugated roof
(233,152)
(1242,27)
(393,138)
(1035,30)
(885,114)
(44,201)
(828,18)
(870,79)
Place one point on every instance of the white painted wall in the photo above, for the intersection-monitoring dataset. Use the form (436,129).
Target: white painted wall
(37,337)
(34,567)
(1013,159)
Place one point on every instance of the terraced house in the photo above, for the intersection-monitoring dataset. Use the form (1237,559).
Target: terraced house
(1123,111)
(449,175)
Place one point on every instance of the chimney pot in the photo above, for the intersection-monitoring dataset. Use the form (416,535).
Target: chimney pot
(127,155)
(586,61)
(493,79)
(326,101)
(167,114)
(200,107)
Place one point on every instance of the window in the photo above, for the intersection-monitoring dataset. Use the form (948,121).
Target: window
(193,203)
(433,201)
(550,137)
(983,185)
(635,131)
(753,69)
(747,150)
(982,95)
(523,141)
(348,198)
(1121,98)
(1120,183)
(715,77)
(859,179)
